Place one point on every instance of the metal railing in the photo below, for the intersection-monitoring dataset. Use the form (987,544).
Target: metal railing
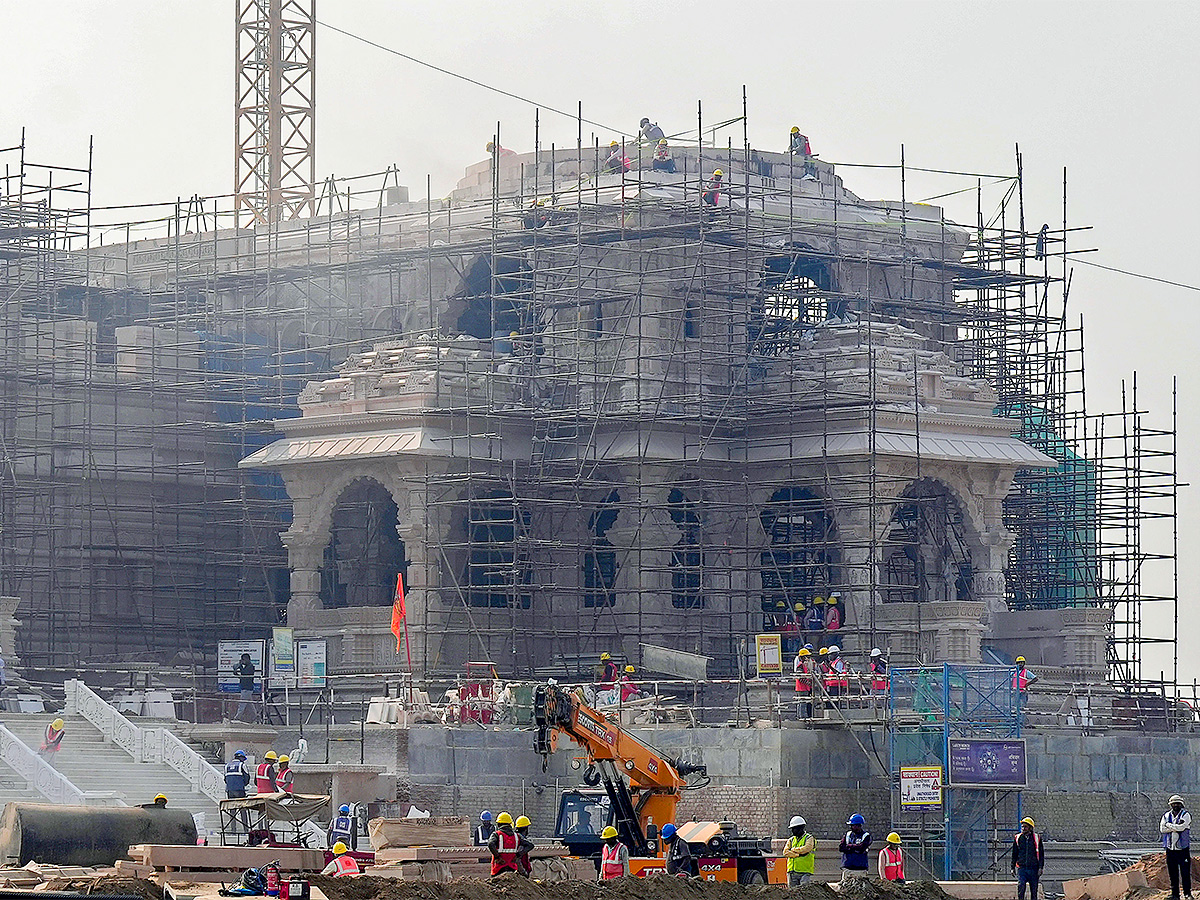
(42,777)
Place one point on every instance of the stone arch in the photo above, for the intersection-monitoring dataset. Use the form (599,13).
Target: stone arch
(927,547)
(316,515)
(364,553)
(600,561)
(496,566)
(687,554)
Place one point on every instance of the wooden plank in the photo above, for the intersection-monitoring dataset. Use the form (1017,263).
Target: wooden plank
(187,856)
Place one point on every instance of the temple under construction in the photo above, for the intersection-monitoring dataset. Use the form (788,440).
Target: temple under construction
(572,411)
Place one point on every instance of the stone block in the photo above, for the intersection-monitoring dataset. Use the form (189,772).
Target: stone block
(1100,769)
(1104,887)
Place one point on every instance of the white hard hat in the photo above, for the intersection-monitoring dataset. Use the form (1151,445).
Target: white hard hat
(875,651)
(796,820)
(835,649)
(1175,798)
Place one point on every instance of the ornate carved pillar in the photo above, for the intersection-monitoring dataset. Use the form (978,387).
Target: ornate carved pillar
(1085,636)
(306,552)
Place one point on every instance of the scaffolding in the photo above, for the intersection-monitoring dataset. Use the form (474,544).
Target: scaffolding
(628,340)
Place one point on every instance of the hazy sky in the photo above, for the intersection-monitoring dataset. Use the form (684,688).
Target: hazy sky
(1108,90)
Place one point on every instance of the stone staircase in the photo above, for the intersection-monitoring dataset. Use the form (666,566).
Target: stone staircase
(96,765)
(15,789)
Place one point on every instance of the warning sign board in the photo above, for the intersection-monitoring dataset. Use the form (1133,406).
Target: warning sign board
(920,787)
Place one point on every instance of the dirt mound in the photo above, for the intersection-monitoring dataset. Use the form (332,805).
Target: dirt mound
(134,887)
(1154,867)
(511,887)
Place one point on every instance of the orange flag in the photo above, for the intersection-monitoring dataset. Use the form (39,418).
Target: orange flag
(398,610)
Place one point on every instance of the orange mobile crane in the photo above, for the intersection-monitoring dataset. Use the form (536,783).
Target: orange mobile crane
(641,793)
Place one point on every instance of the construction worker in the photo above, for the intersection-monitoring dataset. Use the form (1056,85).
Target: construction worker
(237,776)
(484,829)
(801,853)
(506,846)
(1022,678)
(649,132)
(496,150)
(614,856)
(878,668)
(610,673)
(159,802)
(264,775)
(798,145)
(617,161)
(286,776)
(52,741)
(1176,830)
(679,854)
(712,194)
(1028,859)
(244,671)
(814,616)
(524,866)
(342,828)
(342,863)
(662,161)
(802,669)
(629,687)
(835,612)
(838,671)
(891,860)
(855,845)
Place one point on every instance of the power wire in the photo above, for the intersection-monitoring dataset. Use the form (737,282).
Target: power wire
(1178,284)
(487,87)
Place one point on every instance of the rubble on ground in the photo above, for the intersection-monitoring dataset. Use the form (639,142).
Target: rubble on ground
(1154,867)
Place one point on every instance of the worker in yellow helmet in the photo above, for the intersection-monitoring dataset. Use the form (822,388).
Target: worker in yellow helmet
(342,863)
(506,846)
(52,741)
(285,777)
(264,775)
(617,161)
(614,856)
(891,860)
(712,194)
(1028,859)
(524,866)
(159,802)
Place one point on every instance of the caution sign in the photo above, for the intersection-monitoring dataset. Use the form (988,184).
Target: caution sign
(920,787)
(769,652)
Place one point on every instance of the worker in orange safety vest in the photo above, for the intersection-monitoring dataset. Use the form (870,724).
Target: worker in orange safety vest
(614,856)
(342,863)
(891,860)
(264,775)
(506,846)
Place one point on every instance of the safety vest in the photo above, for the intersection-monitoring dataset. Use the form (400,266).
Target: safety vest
(235,776)
(346,865)
(891,861)
(53,738)
(807,862)
(264,778)
(803,678)
(284,780)
(879,677)
(341,830)
(505,857)
(1020,680)
(610,861)
(836,677)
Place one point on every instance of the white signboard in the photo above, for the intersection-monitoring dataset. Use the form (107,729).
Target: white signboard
(310,663)
(920,787)
(229,654)
(283,646)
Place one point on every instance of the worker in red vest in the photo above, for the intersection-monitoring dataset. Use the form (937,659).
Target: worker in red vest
(1022,678)
(286,778)
(614,856)
(524,866)
(342,863)
(506,846)
(802,669)
(891,860)
(264,775)
(53,739)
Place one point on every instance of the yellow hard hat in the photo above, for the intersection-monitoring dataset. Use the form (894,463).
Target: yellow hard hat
(818,601)
(803,652)
(284,758)
(663,142)
(824,651)
(796,130)
(1020,659)
(58,723)
(523,822)
(504,819)
(608,832)
(614,144)
(629,670)
(605,656)
(1028,821)
(717,172)
(270,754)
(340,847)
(893,838)
(797,606)
(162,797)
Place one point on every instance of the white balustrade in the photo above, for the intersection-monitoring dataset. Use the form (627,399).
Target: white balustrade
(156,745)
(44,778)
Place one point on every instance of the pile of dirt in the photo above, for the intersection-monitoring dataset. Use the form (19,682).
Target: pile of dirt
(1154,867)
(511,887)
(112,884)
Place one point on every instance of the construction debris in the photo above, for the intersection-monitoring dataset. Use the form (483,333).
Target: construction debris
(1154,867)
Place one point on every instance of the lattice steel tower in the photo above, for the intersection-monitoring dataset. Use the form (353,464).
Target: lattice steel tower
(274,155)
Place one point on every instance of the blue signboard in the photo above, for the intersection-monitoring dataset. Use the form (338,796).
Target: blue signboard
(987,764)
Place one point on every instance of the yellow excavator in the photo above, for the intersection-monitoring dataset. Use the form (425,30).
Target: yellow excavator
(636,789)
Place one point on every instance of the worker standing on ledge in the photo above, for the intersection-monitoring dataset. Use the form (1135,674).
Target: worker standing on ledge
(52,741)
(801,853)
(342,863)
(679,854)
(802,669)
(1176,830)
(342,829)
(712,194)
(798,146)
(524,866)
(614,856)
(1022,679)
(649,132)
(264,775)
(855,845)
(891,860)
(1028,859)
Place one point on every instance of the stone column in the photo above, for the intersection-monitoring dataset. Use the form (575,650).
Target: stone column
(1085,636)
(8,630)
(306,551)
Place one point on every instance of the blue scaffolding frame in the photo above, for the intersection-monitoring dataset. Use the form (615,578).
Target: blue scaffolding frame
(927,708)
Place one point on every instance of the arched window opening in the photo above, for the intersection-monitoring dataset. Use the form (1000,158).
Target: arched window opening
(687,556)
(600,559)
(796,295)
(364,554)
(925,553)
(799,565)
(498,572)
